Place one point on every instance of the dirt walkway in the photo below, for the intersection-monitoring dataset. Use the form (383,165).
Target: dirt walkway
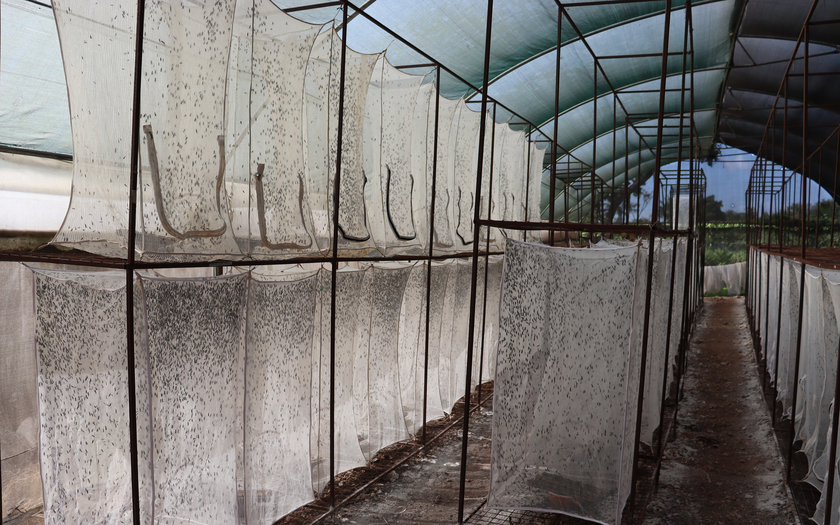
(724,466)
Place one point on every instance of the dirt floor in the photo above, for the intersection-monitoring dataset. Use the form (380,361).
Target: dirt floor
(724,466)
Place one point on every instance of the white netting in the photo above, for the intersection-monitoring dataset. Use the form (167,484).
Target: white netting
(821,463)
(564,395)
(376,382)
(348,453)
(195,350)
(467,125)
(277,396)
(83,398)
(265,176)
(21,488)
(657,340)
(772,336)
(812,370)
(422,159)
(388,157)
(789,330)
(445,197)
(454,334)
(97,219)
(534,188)
(323,90)
(412,350)
(731,276)
(239,135)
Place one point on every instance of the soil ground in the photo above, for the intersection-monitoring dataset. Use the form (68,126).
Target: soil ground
(724,466)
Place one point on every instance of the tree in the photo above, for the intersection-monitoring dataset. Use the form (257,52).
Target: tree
(714,209)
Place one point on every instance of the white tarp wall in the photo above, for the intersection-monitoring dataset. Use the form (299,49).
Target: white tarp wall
(563,431)
(731,276)
(239,140)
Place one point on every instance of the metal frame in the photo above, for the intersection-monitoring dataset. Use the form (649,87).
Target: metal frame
(576,178)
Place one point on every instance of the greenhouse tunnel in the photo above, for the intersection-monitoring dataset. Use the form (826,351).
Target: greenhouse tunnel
(256,255)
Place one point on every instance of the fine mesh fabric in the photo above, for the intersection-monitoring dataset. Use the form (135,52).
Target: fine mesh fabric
(388,154)
(182,117)
(348,453)
(821,464)
(266,179)
(277,395)
(323,78)
(565,349)
(239,140)
(376,382)
(99,89)
(772,336)
(657,343)
(445,197)
(21,488)
(195,352)
(535,168)
(466,125)
(790,333)
(83,398)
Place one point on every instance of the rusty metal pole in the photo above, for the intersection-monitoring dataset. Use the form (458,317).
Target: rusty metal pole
(129,269)
(553,182)
(431,252)
(651,249)
(335,233)
(477,235)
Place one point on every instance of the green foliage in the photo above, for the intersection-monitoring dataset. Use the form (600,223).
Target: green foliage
(725,255)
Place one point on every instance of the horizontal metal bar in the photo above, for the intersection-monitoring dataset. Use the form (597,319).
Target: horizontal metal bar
(639,55)
(35,153)
(414,66)
(97,261)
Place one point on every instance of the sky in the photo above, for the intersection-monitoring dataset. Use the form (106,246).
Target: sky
(727,179)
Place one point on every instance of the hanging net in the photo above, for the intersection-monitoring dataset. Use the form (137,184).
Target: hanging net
(564,377)
(83,398)
(21,487)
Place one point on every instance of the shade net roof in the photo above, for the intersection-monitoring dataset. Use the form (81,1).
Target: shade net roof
(740,51)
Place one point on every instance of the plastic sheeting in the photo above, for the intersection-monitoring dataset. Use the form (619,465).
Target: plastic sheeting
(731,276)
(563,429)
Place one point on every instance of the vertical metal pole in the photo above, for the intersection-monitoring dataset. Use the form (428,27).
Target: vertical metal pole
(795,380)
(431,253)
(834,190)
(674,248)
(613,209)
(487,255)
(651,248)
(626,169)
(832,462)
(129,269)
(334,255)
(553,183)
(527,177)
(804,199)
(477,235)
(594,147)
